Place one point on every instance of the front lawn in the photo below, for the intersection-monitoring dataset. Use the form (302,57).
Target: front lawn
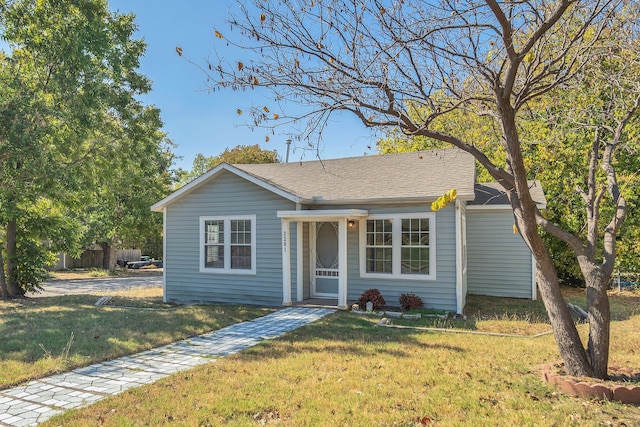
(43,336)
(344,370)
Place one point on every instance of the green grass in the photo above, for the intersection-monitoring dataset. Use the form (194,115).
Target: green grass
(343,370)
(35,332)
(483,314)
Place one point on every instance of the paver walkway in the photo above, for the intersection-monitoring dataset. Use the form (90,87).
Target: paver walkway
(39,400)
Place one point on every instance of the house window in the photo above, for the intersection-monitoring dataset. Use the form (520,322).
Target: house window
(214,244)
(228,244)
(379,246)
(414,255)
(399,246)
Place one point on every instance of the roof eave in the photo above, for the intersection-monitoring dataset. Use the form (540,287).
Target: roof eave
(382,200)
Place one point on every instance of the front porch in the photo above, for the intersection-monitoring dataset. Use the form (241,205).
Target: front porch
(323,280)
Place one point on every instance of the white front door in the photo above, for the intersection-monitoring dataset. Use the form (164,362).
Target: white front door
(326,266)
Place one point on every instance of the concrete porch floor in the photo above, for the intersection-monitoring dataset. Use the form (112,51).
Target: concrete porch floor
(320,303)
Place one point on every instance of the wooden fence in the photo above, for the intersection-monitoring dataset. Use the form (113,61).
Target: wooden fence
(129,254)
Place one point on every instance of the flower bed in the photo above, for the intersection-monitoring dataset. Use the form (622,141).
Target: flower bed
(609,390)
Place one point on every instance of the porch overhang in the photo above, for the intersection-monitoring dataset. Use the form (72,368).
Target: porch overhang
(342,217)
(322,215)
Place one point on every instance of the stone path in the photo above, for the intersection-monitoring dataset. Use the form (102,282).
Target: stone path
(39,400)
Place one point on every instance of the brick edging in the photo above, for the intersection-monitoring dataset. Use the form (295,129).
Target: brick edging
(618,393)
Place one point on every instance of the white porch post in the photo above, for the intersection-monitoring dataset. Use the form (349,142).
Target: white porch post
(286,264)
(164,255)
(342,264)
(299,259)
(459,259)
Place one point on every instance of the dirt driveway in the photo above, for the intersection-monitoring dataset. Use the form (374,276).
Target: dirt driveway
(97,285)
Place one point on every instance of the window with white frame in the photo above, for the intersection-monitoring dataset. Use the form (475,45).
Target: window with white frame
(398,245)
(228,244)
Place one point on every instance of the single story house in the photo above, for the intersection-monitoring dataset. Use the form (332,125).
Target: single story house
(279,234)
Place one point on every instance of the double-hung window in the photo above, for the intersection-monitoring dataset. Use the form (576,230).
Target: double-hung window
(398,246)
(228,244)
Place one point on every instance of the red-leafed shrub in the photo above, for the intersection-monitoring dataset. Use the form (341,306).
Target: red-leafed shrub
(374,296)
(410,301)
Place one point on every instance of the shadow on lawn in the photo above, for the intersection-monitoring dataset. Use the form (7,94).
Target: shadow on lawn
(345,334)
(624,304)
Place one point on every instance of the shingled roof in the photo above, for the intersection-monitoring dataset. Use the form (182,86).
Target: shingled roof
(389,178)
(422,175)
(492,193)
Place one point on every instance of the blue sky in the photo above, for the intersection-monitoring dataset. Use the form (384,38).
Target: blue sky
(197,120)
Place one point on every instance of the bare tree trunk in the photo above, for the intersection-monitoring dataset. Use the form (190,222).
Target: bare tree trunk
(4,293)
(108,256)
(569,343)
(599,321)
(111,258)
(12,273)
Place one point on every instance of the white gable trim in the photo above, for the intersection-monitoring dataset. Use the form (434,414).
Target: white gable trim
(210,175)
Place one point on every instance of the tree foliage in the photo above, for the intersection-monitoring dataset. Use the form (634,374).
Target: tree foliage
(410,65)
(69,123)
(559,165)
(240,154)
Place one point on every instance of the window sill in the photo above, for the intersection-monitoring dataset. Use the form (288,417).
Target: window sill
(228,272)
(408,277)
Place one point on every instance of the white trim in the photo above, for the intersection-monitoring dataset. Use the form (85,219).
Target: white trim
(534,274)
(210,175)
(459,259)
(312,258)
(342,264)
(299,261)
(322,215)
(490,207)
(422,199)
(286,262)
(227,245)
(164,255)
(500,207)
(396,248)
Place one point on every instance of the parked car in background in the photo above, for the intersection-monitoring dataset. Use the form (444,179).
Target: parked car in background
(144,262)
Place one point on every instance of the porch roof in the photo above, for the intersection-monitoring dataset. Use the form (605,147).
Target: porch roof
(322,215)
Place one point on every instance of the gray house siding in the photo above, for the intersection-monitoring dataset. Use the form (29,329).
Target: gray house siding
(499,262)
(229,195)
(439,293)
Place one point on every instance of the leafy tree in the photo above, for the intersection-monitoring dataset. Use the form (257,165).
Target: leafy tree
(240,154)
(407,64)
(558,165)
(68,84)
(132,178)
